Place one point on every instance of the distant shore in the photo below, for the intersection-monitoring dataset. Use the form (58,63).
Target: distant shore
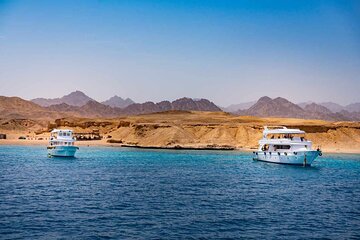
(184,130)
(103,143)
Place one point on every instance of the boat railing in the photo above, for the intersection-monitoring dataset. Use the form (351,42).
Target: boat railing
(279,153)
(284,141)
(61,143)
(274,127)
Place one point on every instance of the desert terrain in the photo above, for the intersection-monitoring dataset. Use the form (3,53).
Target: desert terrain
(184,130)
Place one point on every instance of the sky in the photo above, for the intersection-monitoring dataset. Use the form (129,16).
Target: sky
(226,51)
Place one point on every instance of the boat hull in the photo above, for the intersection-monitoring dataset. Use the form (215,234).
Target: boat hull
(62,151)
(305,158)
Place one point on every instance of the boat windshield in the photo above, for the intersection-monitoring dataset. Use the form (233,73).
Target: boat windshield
(61,134)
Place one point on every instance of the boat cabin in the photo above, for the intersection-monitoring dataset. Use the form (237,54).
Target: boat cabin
(284,133)
(62,133)
(62,137)
(283,139)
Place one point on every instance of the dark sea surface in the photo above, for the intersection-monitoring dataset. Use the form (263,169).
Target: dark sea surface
(127,193)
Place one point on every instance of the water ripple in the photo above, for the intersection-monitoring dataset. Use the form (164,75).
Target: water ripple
(111,193)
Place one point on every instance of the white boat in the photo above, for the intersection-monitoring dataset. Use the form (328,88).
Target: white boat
(61,143)
(286,146)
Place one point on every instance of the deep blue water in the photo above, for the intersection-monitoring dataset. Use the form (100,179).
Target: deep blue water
(146,194)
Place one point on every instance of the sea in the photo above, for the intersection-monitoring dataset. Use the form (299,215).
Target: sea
(126,193)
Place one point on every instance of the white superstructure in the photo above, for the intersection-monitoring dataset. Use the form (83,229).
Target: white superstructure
(286,146)
(61,143)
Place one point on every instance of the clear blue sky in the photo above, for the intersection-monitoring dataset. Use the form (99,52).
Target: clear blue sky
(226,51)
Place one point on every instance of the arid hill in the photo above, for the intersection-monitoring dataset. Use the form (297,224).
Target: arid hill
(76,98)
(334,107)
(90,109)
(118,102)
(239,106)
(186,104)
(198,130)
(77,104)
(17,108)
(278,107)
(281,107)
(13,107)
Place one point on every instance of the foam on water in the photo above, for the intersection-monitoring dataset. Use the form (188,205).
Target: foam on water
(129,193)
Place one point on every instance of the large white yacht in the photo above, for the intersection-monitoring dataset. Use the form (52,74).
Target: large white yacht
(286,146)
(61,143)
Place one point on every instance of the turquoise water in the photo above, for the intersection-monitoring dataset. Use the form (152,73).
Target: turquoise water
(146,194)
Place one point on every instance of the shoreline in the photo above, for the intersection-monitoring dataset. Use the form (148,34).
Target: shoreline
(102,143)
(188,131)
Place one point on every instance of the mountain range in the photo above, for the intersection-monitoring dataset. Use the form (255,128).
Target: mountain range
(96,109)
(78,98)
(18,108)
(118,102)
(78,104)
(335,107)
(185,104)
(281,107)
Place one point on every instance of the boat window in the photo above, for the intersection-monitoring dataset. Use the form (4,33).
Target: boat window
(281,147)
(265,147)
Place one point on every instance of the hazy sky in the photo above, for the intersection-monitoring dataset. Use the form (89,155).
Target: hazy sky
(226,51)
